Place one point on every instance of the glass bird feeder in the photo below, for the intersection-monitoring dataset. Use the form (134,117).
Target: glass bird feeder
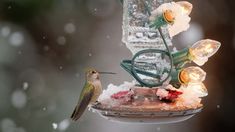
(137,34)
(164,91)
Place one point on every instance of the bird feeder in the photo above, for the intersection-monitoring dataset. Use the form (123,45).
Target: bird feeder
(164,90)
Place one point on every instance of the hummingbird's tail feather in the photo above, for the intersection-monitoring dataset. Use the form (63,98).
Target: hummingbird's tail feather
(77,113)
(81,107)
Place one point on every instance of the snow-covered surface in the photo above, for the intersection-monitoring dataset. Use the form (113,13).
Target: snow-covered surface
(181,22)
(105,97)
(189,99)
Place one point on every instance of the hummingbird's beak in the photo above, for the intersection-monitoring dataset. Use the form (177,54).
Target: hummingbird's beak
(107,73)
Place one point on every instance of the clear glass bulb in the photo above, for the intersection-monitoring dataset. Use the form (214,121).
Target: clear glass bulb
(186,7)
(203,49)
(192,75)
(199,89)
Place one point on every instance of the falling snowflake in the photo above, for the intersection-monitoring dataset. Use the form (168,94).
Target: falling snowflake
(54,125)
(25,85)
(61,40)
(61,67)
(5,31)
(18,99)
(69,28)
(158,129)
(16,39)
(64,124)
(44,108)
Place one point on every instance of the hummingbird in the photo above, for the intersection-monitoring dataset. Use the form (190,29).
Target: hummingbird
(90,92)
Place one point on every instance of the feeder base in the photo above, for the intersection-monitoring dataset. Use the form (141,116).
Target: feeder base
(144,117)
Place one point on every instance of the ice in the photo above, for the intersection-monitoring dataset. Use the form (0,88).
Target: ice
(69,28)
(64,124)
(16,39)
(218,106)
(54,125)
(89,54)
(18,99)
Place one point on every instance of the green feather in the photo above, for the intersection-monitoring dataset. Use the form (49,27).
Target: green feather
(84,100)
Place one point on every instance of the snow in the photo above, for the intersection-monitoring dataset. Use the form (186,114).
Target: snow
(25,85)
(188,98)
(162,93)
(108,37)
(61,40)
(44,108)
(18,99)
(8,125)
(64,124)
(181,22)
(112,89)
(60,67)
(16,39)
(54,125)
(5,31)
(46,48)
(69,28)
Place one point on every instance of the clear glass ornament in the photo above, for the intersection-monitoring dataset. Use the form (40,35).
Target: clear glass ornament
(137,35)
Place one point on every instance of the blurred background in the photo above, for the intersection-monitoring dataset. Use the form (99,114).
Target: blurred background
(45,45)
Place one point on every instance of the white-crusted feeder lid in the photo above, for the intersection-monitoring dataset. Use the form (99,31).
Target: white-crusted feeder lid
(144,116)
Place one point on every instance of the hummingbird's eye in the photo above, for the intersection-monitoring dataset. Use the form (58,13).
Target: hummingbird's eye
(93,72)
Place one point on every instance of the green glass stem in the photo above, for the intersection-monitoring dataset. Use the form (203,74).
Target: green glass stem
(158,22)
(175,80)
(127,65)
(181,58)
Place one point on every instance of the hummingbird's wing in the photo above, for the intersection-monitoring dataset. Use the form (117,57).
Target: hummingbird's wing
(84,100)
